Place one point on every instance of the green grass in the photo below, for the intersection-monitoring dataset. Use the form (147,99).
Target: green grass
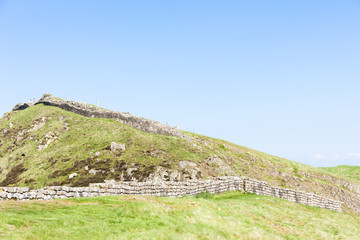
(94,134)
(232,215)
(346,171)
(86,135)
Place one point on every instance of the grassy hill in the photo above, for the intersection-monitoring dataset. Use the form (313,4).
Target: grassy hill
(346,171)
(232,215)
(43,145)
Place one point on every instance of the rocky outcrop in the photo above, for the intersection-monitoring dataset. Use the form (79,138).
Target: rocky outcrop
(126,118)
(174,189)
(22,106)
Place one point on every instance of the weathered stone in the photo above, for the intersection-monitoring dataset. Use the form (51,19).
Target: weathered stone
(72,175)
(171,188)
(185,164)
(42,147)
(133,121)
(117,147)
(22,106)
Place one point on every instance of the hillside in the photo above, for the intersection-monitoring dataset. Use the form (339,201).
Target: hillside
(346,171)
(227,216)
(44,145)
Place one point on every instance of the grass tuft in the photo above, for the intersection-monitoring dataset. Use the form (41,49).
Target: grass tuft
(205,195)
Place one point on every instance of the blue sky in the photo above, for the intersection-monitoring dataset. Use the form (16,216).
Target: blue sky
(282,77)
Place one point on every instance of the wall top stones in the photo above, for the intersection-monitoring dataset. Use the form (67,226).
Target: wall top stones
(87,110)
(22,106)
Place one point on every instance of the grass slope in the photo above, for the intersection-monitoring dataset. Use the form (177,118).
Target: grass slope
(232,215)
(70,151)
(346,171)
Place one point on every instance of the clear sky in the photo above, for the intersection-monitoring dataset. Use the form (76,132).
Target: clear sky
(282,77)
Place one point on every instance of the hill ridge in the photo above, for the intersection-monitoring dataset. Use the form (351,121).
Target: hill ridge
(87,110)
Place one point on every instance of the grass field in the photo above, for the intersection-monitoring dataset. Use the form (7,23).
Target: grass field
(231,215)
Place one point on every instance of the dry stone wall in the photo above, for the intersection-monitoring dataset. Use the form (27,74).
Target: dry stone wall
(87,110)
(172,189)
(310,199)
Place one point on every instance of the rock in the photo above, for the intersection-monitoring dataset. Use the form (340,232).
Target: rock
(86,168)
(175,175)
(186,164)
(222,167)
(61,118)
(22,106)
(93,171)
(42,147)
(11,125)
(110,181)
(47,97)
(19,138)
(117,147)
(39,125)
(86,110)
(97,154)
(72,175)
(130,170)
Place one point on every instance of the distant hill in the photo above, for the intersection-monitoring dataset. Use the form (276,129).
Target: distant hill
(346,171)
(42,145)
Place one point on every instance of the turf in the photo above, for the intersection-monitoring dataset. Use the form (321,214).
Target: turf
(232,215)
(346,171)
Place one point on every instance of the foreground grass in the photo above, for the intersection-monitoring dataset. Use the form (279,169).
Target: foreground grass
(227,216)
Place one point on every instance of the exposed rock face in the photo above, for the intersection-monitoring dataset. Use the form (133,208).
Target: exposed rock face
(221,167)
(45,141)
(92,111)
(185,171)
(22,106)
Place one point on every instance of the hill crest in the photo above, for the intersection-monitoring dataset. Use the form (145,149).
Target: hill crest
(87,110)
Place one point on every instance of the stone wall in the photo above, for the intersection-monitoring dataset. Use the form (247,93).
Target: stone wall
(310,199)
(173,189)
(87,110)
